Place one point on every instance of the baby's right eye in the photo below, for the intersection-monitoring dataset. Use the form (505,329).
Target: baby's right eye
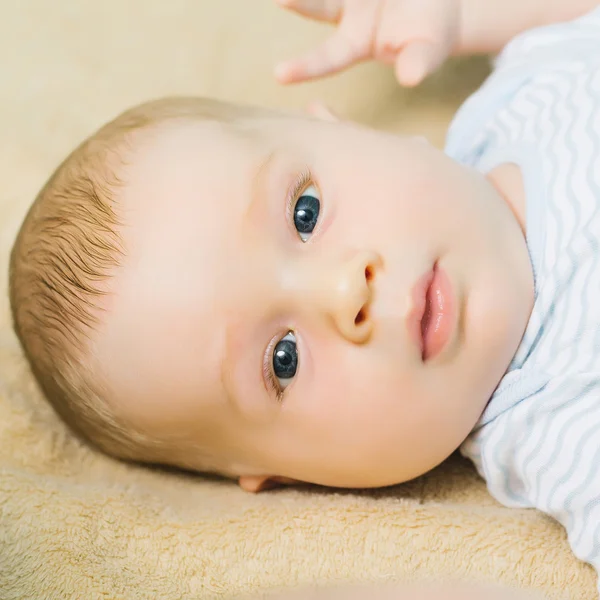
(306,212)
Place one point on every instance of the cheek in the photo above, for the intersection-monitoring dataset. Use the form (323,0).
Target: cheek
(393,212)
(359,416)
(353,386)
(356,392)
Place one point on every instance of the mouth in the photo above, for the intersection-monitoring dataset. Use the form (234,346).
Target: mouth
(431,320)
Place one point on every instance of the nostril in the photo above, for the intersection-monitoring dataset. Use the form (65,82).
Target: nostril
(360,317)
(368,272)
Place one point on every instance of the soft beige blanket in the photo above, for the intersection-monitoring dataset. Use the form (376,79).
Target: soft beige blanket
(74,524)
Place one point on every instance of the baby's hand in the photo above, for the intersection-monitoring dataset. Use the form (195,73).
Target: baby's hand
(415,36)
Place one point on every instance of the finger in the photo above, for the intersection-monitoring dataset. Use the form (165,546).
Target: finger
(393,32)
(321,10)
(335,54)
(416,61)
(321,111)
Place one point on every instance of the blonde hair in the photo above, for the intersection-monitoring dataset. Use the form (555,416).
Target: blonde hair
(61,264)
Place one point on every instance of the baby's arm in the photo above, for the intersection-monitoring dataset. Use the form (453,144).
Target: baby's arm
(416,36)
(486,26)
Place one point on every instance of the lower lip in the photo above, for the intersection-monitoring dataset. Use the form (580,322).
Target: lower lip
(438,318)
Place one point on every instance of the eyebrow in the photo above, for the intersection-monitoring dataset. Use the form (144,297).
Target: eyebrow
(256,188)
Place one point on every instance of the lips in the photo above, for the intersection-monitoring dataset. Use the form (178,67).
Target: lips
(431,320)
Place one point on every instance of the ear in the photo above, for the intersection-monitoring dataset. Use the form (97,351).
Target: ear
(321,111)
(261,483)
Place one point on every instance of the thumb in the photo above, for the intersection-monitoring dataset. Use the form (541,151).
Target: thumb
(417,60)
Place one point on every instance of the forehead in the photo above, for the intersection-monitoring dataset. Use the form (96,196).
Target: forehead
(182,164)
(186,188)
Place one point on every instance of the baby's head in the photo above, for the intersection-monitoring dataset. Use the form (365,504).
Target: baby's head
(266,295)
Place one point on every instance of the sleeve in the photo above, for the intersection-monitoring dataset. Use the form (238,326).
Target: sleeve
(547,44)
(548,457)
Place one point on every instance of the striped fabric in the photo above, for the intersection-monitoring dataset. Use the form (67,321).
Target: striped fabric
(538,442)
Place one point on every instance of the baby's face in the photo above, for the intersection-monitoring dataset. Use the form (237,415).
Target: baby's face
(312,300)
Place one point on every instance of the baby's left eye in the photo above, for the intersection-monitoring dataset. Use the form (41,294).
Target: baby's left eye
(285,360)
(306,212)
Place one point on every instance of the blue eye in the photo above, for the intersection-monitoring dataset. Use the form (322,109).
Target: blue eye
(285,360)
(306,212)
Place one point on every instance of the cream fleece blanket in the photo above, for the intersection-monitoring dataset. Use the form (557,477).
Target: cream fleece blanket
(74,524)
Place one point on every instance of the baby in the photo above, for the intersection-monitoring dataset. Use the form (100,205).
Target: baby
(283,298)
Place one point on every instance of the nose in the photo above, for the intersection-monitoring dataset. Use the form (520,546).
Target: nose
(347,294)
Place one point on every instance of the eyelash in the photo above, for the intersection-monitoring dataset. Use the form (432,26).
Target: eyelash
(302,182)
(268,374)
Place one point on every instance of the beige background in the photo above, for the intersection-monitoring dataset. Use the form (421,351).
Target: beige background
(74,524)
